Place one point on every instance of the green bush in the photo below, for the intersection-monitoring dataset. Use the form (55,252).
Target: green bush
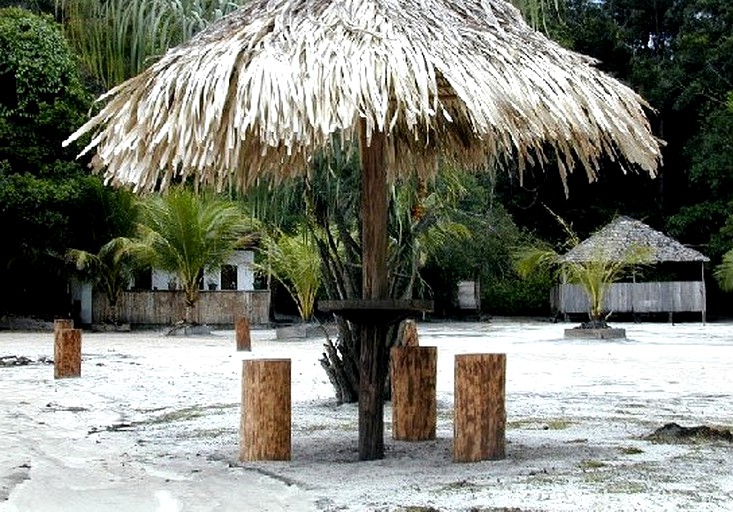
(514,296)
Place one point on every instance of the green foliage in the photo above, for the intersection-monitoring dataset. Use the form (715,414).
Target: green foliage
(36,6)
(294,260)
(116,39)
(185,234)
(37,65)
(110,269)
(512,296)
(724,272)
(483,252)
(43,218)
(541,14)
(42,98)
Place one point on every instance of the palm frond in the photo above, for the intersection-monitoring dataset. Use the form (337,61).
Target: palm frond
(293,259)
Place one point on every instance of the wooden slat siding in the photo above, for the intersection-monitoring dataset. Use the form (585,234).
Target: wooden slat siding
(654,297)
(163,307)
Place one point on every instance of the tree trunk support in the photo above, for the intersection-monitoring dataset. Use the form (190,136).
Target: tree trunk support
(375,311)
(373,363)
(67,354)
(266,405)
(479,412)
(414,408)
(244,341)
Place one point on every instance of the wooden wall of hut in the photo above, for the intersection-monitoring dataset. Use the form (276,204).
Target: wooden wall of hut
(653,297)
(163,307)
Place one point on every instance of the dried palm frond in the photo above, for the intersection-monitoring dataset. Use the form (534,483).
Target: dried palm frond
(262,89)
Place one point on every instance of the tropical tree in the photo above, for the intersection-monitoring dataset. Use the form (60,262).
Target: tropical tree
(48,200)
(293,260)
(594,274)
(418,223)
(538,12)
(185,234)
(110,269)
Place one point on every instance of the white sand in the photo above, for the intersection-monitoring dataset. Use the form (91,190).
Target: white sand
(152,425)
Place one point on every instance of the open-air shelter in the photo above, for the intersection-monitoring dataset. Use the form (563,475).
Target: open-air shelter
(616,242)
(410,83)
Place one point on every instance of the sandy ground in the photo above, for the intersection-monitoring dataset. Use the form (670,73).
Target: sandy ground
(152,425)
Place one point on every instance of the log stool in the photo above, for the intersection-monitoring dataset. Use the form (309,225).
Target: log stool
(244,342)
(479,428)
(59,324)
(266,404)
(414,409)
(67,353)
(409,337)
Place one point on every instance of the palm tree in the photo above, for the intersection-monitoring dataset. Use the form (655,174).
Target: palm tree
(293,260)
(724,272)
(185,234)
(110,269)
(594,274)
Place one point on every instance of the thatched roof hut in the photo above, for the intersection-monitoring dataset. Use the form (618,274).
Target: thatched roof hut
(617,239)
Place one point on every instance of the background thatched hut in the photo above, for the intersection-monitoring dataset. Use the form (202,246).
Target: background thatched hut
(685,292)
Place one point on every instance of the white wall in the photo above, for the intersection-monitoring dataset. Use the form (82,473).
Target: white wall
(161,278)
(243,260)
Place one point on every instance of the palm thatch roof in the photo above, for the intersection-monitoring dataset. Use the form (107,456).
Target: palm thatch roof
(262,89)
(618,239)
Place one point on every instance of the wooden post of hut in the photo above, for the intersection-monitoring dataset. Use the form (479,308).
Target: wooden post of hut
(479,410)
(414,410)
(67,354)
(244,342)
(266,403)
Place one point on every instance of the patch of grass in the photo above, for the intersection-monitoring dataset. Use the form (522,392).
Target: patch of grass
(188,413)
(558,424)
(580,440)
(319,427)
(498,509)
(185,414)
(460,485)
(626,488)
(350,426)
(630,450)
(540,424)
(214,433)
(589,464)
